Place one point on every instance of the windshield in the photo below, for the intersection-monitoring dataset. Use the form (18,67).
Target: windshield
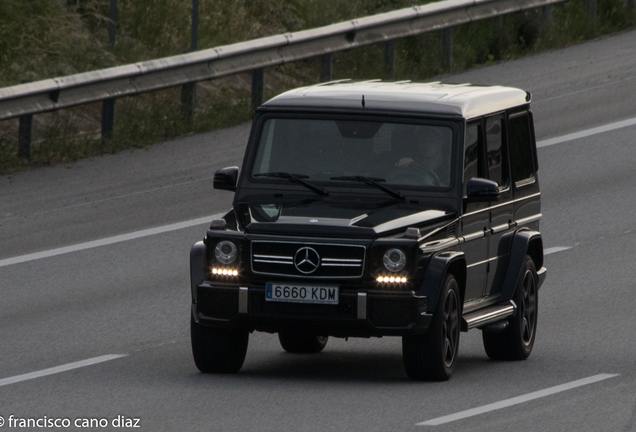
(337,150)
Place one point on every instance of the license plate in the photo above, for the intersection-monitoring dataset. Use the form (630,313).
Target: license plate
(296,293)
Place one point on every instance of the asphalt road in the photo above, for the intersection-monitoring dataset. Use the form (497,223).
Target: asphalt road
(130,296)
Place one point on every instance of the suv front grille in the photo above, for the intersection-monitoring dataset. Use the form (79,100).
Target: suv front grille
(308,260)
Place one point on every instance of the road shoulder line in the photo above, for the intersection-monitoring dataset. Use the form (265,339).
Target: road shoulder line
(108,240)
(555,249)
(587,132)
(516,400)
(58,369)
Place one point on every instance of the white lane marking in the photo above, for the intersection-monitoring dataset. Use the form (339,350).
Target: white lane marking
(556,249)
(58,369)
(108,240)
(107,199)
(585,90)
(587,132)
(516,400)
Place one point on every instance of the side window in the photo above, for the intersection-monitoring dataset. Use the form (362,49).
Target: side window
(521,154)
(495,158)
(473,153)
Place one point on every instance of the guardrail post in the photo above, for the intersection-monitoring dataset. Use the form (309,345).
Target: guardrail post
(547,13)
(188,101)
(389,60)
(499,42)
(112,26)
(447,46)
(498,22)
(326,67)
(108,119)
(108,105)
(590,7)
(25,135)
(258,84)
(189,90)
(194,34)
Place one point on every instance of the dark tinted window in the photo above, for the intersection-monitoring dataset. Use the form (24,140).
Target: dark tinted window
(473,153)
(521,155)
(494,154)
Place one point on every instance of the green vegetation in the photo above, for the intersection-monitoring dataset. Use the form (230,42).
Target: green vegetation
(41,39)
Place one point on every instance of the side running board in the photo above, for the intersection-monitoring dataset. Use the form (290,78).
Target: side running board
(487,316)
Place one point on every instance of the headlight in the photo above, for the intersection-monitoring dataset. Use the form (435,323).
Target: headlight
(225,252)
(394,260)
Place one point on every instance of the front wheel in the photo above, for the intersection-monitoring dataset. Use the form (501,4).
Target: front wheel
(217,350)
(301,343)
(517,340)
(432,356)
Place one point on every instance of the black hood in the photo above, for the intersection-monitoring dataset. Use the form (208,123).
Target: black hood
(341,218)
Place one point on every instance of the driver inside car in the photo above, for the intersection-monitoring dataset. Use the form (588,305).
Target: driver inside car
(428,151)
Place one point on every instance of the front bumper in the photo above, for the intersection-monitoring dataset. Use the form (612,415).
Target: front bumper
(365,313)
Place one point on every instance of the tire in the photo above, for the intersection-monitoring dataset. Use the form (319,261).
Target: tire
(432,356)
(517,340)
(217,350)
(302,343)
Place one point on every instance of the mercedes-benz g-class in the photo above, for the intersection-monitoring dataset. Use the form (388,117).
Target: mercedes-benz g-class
(369,209)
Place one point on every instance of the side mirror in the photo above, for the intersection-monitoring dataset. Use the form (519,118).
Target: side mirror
(482,189)
(225,179)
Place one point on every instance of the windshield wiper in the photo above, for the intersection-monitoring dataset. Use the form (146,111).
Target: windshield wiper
(373,181)
(298,178)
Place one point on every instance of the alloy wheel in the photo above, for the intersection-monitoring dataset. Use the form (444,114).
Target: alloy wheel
(528,308)
(450,328)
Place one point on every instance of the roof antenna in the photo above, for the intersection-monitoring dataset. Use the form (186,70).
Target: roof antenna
(362,101)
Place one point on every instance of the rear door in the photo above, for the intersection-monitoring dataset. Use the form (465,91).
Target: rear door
(523,161)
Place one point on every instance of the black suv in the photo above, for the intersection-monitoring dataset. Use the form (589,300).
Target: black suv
(369,209)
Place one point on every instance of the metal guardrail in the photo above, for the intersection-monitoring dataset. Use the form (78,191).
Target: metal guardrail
(101,85)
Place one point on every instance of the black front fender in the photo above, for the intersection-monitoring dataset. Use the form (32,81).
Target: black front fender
(438,266)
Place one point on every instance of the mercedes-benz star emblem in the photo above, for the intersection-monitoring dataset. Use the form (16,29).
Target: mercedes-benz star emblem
(306,260)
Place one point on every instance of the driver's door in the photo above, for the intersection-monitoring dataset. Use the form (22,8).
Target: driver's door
(475,218)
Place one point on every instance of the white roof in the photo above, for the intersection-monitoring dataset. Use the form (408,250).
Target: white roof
(464,100)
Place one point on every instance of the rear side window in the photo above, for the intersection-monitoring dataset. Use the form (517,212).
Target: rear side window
(495,157)
(473,153)
(521,154)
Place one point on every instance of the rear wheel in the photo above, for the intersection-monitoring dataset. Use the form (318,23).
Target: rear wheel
(217,350)
(302,343)
(432,356)
(517,340)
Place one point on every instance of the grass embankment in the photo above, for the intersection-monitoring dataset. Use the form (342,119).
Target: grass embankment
(41,39)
